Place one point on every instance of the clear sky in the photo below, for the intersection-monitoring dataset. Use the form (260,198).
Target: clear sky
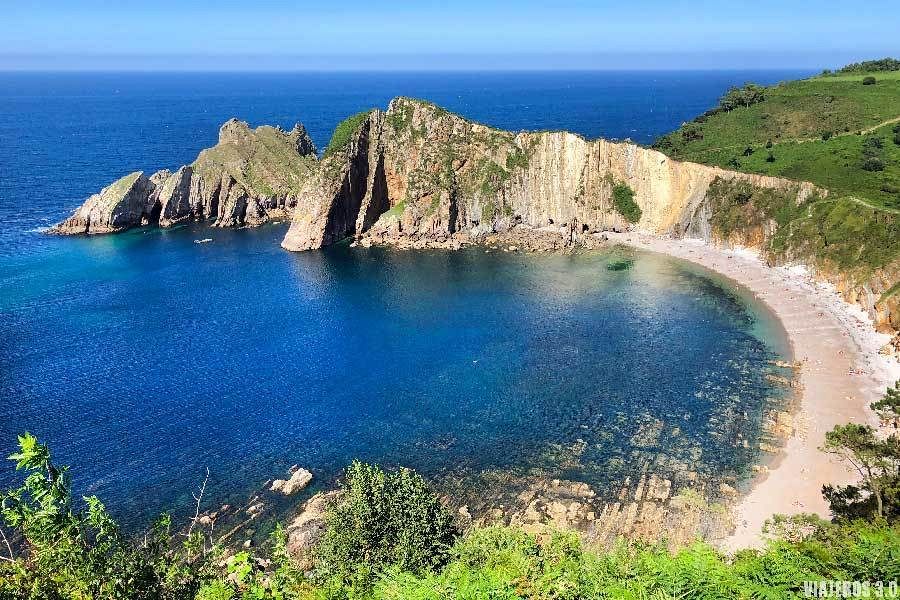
(461,34)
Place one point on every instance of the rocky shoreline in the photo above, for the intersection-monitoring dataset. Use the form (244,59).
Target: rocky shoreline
(843,367)
(417,176)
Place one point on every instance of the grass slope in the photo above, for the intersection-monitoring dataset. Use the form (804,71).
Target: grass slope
(831,130)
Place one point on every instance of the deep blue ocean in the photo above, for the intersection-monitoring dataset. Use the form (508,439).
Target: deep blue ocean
(143,358)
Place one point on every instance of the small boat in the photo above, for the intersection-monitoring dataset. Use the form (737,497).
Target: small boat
(203,241)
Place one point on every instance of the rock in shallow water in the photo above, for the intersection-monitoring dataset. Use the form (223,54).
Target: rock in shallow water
(299,479)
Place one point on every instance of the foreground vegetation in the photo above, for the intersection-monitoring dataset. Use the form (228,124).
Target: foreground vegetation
(389,536)
(840,131)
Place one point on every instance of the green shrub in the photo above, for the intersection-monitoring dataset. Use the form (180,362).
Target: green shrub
(770,158)
(344,132)
(691,132)
(827,136)
(897,138)
(383,519)
(78,552)
(623,200)
(869,80)
(872,163)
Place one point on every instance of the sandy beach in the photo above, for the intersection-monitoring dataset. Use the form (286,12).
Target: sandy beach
(841,374)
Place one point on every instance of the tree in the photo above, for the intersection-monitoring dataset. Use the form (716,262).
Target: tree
(875,459)
(871,66)
(737,97)
(888,407)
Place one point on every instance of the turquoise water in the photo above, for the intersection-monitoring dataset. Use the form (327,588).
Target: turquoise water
(144,358)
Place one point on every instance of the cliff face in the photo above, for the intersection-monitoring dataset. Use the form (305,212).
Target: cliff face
(418,175)
(248,178)
(419,172)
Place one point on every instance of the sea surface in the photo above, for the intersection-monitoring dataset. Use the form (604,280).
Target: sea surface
(143,358)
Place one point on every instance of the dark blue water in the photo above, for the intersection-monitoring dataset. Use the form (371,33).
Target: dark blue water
(143,358)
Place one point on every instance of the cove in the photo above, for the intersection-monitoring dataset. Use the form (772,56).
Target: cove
(144,358)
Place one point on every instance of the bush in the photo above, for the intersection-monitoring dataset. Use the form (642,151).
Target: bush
(344,131)
(623,200)
(868,80)
(897,138)
(769,144)
(383,519)
(827,136)
(691,132)
(770,158)
(872,164)
(748,151)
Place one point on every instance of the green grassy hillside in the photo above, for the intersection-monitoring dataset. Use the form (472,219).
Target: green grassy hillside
(817,129)
(839,131)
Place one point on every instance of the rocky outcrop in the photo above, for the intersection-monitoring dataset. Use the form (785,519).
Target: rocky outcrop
(250,177)
(125,203)
(418,176)
(298,480)
(419,172)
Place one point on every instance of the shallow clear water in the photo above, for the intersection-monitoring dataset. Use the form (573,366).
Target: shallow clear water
(144,358)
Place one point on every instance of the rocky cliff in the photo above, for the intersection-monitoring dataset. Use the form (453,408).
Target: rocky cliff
(418,172)
(417,175)
(248,178)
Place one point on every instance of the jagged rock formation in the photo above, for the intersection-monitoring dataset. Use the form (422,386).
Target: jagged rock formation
(248,178)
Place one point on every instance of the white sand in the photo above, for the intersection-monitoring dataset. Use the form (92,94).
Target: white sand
(842,374)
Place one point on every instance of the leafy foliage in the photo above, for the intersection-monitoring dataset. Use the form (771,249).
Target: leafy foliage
(872,66)
(343,133)
(623,200)
(80,553)
(877,461)
(737,97)
(390,538)
(383,519)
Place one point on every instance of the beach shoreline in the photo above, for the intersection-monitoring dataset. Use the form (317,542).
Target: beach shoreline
(841,373)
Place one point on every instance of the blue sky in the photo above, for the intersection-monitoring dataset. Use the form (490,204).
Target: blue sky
(463,34)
